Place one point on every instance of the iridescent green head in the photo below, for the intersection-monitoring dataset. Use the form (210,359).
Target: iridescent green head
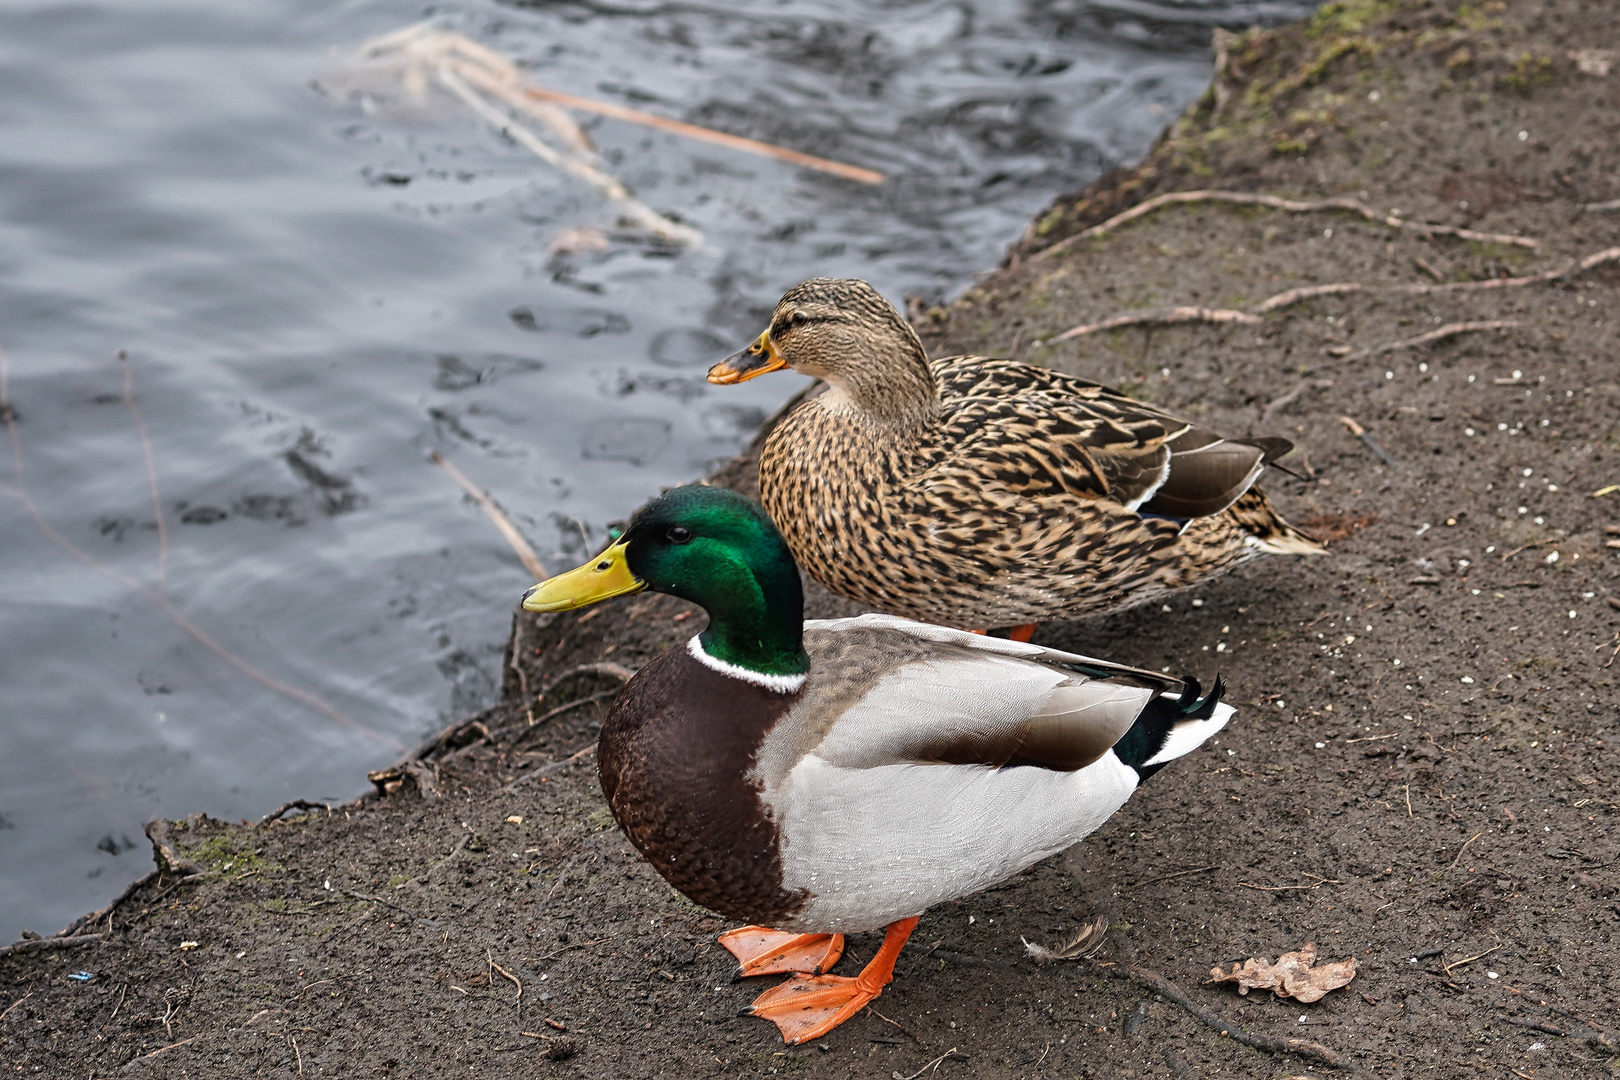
(715,548)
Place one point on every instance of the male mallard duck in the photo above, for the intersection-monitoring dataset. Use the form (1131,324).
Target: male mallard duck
(833,776)
(983,493)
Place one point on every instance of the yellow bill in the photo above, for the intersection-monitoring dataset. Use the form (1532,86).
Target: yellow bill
(757,359)
(604,577)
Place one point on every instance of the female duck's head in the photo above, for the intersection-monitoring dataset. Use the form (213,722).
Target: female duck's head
(844,331)
(715,548)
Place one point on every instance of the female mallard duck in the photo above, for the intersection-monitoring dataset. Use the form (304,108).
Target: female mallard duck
(842,775)
(984,493)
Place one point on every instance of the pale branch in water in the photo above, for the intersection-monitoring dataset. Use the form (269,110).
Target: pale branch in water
(151,464)
(498,75)
(531,562)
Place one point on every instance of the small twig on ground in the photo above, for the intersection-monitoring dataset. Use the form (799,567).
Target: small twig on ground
(285,808)
(1167,877)
(1157,317)
(1462,849)
(1470,959)
(171,1046)
(1449,330)
(562,876)
(549,768)
(1162,985)
(1408,791)
(385,903)
(894,1024)
(1594,1036)
(515,981)
(1601,207)
(297,1053)
(559,710)
(1320,881)
(531,562)
(1367,440)
(931,1065)
(1292,396)
(1527,547)
(25,997)
(607,668)
(1292,206)
(964,960)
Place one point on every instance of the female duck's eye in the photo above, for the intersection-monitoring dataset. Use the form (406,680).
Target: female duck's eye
(679,534)
(800,318)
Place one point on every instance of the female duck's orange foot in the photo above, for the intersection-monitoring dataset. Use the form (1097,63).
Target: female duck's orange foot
(1013,633)
(805,1007)
(762,951)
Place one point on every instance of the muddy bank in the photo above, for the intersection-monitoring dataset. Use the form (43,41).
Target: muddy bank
(1421,774)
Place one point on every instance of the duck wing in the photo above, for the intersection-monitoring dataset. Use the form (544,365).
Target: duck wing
(889,691)
(1039,431)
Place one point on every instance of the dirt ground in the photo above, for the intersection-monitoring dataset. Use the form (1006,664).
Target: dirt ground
(1421,774)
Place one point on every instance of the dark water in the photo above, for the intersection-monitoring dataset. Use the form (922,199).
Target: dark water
(314,296)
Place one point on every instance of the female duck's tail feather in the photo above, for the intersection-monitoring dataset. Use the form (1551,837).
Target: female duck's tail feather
(1173,725)
(1266,529)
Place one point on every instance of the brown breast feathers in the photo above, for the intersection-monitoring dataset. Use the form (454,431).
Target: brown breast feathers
(674,757)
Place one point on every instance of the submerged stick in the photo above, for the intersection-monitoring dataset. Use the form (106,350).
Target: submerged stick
(8,415)
(531,562)
(608,186)
(719,138)
(498,75)
(151,465)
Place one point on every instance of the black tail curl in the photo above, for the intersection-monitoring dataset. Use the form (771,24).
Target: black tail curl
(1152,729)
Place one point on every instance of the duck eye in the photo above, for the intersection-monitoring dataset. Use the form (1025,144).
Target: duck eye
(679,534)
(800,318)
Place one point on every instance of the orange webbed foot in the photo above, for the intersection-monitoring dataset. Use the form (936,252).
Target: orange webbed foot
(807,1007)
(1014,633)
(762,951)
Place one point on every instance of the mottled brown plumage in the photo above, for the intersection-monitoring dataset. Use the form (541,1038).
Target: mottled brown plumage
(978,492)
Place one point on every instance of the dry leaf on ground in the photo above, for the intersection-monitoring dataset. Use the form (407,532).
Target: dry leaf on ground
(1291,976)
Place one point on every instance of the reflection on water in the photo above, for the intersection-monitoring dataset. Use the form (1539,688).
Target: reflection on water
(313,297)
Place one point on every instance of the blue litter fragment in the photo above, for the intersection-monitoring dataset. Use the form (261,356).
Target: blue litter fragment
(81,976)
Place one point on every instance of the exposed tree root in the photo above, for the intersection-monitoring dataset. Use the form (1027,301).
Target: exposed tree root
(1157,317)
(1293,206)
(1272,1045)
(1439,334)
